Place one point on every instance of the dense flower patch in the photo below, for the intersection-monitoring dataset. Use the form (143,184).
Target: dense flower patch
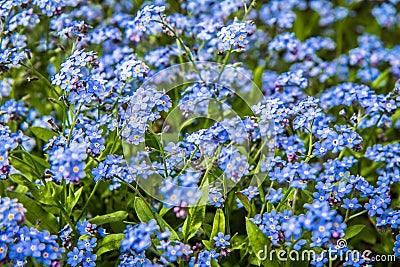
(199,133)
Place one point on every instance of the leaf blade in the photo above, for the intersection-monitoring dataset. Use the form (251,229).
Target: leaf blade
(109,243)
(36,213)
(193,221)
(43,133)
(109,218)
(353,230)
(218,224)
(145,214)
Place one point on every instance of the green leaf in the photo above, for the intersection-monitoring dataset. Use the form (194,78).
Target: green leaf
(43,133)
(353,230)
(36,213)
(108,218)
(219,224)
(51,192)
(29,163)
(369,236)
(214,263)
(43,164)
(257,239)
(253,260)
(207,229)
(258,72)
(208,244)
(145,214)
(164,211)
(42,194)
(22,180)
(193,221)
(24,167)
(245,202)
(237,242)
(73,198)
(381,80)
(109,243)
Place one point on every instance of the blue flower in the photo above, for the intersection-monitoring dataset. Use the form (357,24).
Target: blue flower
(291,228)
(396,248)
(274,196)
(20,242)
(86,228)
(221,240)
(299,244)
(3,250)
(172,253)
(334,142)
(385,14)
(296,78)
(374,207)
(215,198)
(74,257)
(138,238)
(145,17)
(87,244)
(351,204)
(284,41)
(235,34)
(89,259)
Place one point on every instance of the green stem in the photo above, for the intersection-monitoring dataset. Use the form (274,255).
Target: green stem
(294,200)
(285,197)
(248,9)
(310,145)
(187,163)
(64,212)
(339,40)
(210,166)
(372,131)
(120,93)
(227,215)
(115,141)
(259,150)
(3,26)
(88,200)
(136,190)
(224,63)
(341,154)
(32,68)
(264,201)
(380,78)
(161,149)
(356,215)
(179,39)
(74,119)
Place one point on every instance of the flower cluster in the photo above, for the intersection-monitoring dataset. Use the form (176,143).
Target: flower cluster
(144,106)
(235,35)
(291,144)
(67,160)
(19,243)
(8,142)
(139,237)
(82,254)
(145,17)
